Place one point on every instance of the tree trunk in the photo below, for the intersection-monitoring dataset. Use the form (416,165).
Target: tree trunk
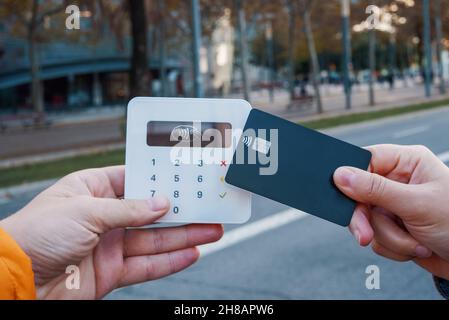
(36,87)
(270,58)
(196,48)
(439,39)
(313,58)
(391,59)
(243,50)
(372,65)
(291,50)
(139,75)
(162,67)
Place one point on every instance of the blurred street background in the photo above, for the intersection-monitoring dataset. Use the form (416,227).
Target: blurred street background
(365,71)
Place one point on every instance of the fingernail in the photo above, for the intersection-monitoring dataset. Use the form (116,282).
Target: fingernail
(343,176)
(357,236)
(214,232)
(191,254)
(422,252)
(158,203)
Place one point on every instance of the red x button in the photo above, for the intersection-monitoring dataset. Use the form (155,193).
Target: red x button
(223,163)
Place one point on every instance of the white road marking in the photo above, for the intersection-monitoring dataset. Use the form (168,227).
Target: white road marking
(253,229)
(261,226)
(444,156)
(410,132)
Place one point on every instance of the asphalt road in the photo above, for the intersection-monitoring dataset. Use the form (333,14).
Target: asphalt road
(306,258)
(17,143)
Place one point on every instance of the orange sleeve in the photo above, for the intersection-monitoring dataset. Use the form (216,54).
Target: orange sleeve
(16,274)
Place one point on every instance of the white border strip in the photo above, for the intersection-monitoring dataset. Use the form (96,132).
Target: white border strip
(444,156)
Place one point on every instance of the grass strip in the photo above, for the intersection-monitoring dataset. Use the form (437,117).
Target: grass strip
(58,168)
(372,115)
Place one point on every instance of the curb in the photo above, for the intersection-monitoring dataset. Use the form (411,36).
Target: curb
(389,119)
(9,193)
(28,160)
(364,109)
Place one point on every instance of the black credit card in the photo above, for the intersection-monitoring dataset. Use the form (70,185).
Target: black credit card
(294,165)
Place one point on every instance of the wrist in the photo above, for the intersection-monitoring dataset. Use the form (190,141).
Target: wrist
(8,226)
(16,267)
(5,227)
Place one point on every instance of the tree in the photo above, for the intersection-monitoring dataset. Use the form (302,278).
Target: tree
(291,7)
(117,17)
(139,75)
(162,51)
(243,48)
(439,39)
(30,15)
(305,11)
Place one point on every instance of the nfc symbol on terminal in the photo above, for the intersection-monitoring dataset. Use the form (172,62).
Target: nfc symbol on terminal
(184,132)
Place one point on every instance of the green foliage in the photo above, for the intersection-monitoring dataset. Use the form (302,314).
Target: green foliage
(260,51)
(49,20)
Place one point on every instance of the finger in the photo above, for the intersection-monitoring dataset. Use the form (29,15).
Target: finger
(105,182)
(360,226)
(373,189)
(386,158)
(399,162)
(116,177)
(435,265)
(107,214)
(159,240)
(384,252)
(144,268)
(395,239)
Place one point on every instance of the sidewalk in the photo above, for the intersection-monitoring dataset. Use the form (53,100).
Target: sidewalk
(101,129)
(93,114)
(333,101)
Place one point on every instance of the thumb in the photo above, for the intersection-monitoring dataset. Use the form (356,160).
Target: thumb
(373,189)
(107,214)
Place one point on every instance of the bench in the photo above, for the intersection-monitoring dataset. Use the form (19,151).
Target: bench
(301,101)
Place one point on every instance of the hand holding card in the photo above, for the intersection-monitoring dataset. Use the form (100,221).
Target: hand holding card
(297,170)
